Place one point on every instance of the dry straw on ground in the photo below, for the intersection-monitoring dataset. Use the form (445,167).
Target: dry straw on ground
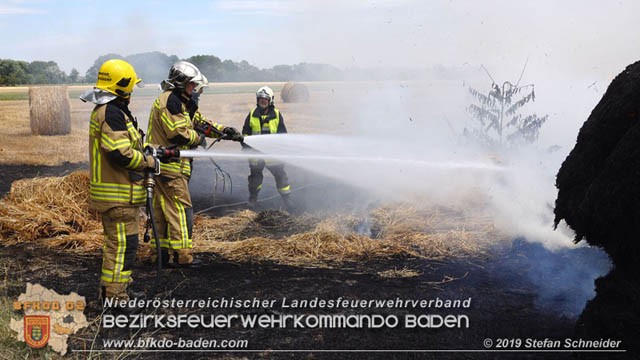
(308,248)
(294,92)
(55,211)
(49,110)
(398,273)
(50,208)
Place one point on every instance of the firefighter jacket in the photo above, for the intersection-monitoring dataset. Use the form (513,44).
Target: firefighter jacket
(257,123)
(116,158)
(172,122)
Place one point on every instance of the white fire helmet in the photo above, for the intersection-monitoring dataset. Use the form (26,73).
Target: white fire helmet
(181,74)
(202,82)
(266,93)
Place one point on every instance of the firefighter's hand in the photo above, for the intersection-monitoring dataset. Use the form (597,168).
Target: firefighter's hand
(150,162)
(202,141)
(233,134)
(204,129)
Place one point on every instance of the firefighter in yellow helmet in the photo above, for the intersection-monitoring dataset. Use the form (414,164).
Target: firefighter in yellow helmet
(176,121)
(116,170)
(266,119)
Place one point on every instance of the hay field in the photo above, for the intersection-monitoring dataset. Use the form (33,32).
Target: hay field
(19,146)
(227,103)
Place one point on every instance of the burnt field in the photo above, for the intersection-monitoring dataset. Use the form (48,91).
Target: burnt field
(339,242)
(360,250)
(370,180)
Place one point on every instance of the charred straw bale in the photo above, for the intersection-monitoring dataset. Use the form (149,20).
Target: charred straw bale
(599,182)
(294,92)
(49,110)
(613,312)
(599,198)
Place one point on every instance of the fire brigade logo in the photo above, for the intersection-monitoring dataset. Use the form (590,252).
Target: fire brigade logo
(36,330)
(49,318)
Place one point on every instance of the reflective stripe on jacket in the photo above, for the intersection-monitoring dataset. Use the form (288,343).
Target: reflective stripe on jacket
(269,123)
(170,123)
(116,159)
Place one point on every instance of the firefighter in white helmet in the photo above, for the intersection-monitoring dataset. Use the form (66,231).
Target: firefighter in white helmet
(176,121)
(266,119)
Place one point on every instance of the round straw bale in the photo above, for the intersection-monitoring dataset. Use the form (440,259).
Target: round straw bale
(598,192)
(294,92)
(598,181)
(49,110)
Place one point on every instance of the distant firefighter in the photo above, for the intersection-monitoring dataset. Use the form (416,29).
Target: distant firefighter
(266,119)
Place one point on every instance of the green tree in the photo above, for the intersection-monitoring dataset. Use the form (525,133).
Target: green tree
(13,72)
(152,67)
(45,72)
(283,72)
(92,73)
(209,65)
(74,76)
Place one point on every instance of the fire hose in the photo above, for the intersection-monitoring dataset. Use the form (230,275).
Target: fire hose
(218,170)
(149,184)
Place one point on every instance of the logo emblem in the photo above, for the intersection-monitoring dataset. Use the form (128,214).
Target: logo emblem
(36,330)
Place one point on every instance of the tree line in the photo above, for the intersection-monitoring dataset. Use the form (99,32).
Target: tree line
(153,67)
(14,72)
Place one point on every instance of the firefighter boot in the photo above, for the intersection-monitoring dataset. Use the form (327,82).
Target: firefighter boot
(184,258)
(113,290)
(165,257)
(118,293)
(288,205)
(252,204)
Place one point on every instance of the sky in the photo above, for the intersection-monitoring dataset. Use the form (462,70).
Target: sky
(592,40)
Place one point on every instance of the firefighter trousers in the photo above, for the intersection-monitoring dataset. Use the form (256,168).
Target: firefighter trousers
(256,166)
(173,213)
(120,225)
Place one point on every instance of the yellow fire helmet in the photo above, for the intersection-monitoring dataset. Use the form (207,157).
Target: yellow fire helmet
(117,77)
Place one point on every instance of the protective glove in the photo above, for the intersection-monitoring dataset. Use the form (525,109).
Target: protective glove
(204,129)
(150,162)
(233,134)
